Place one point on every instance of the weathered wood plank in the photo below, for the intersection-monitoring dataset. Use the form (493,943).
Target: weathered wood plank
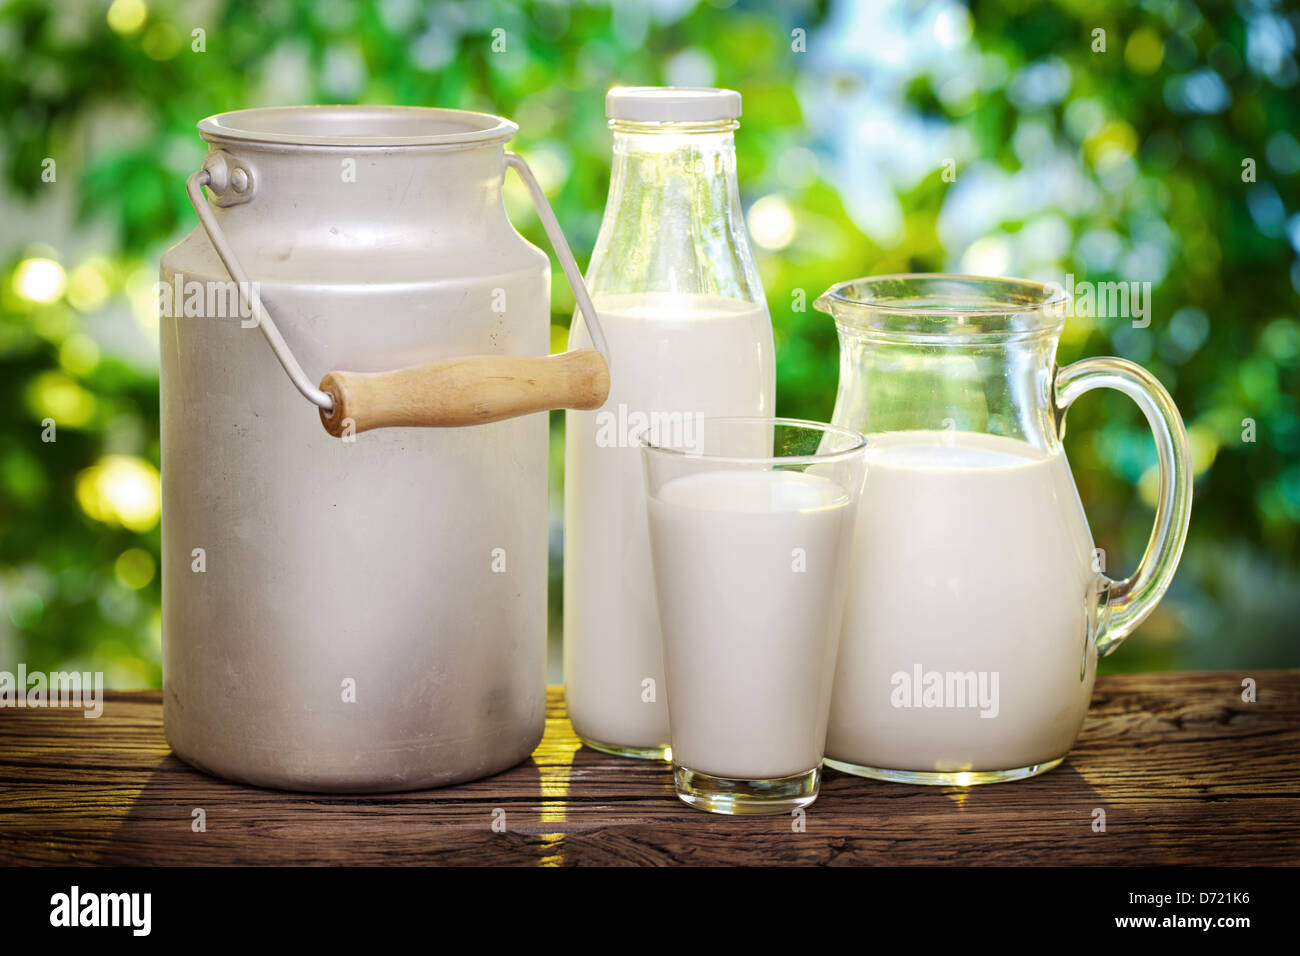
(1186,772)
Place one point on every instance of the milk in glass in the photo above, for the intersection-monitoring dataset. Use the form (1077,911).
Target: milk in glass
(748,567)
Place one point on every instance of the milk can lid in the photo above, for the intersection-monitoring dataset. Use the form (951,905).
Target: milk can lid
(671,104)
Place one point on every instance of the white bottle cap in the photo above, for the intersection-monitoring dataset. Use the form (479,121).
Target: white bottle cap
(671,104)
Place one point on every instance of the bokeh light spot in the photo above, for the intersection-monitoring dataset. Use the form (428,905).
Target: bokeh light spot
(25,608)
(87,287)
(54,395)
(1145,51)
(127,16)
(122,490)
(39,280)
(771,222)
(134,568)
(162,41)
(987,256)
(79,354)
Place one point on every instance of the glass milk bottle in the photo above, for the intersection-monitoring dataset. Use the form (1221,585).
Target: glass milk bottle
(681,305)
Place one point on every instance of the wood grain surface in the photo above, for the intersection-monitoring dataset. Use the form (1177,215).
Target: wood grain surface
(1185,771)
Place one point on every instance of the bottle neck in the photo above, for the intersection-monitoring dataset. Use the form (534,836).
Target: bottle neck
(673,222)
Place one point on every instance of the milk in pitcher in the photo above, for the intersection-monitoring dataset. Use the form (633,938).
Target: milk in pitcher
(968,640)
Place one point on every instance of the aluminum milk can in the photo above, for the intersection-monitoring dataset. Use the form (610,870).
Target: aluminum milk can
(360,606)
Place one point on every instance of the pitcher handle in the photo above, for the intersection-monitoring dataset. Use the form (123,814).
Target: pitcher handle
(467,390)
(1129,601)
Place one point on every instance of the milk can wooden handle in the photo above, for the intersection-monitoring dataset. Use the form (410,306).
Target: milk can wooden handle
(478,389)
(473,390)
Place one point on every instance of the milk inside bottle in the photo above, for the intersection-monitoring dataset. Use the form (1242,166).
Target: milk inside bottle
(679,298)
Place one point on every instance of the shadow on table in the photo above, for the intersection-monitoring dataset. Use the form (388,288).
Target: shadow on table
(184,816)
(586,807)
(1051,819)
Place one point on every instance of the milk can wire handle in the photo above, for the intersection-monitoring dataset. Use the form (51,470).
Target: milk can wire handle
(562,252)
(453,392)
(480,389)
(248,295)
(1129,601)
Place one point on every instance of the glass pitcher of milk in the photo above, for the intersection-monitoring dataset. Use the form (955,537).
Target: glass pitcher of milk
(678,296)
(977,605)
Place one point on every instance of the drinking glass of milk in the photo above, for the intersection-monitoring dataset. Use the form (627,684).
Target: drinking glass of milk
(681,305)
(977,604)
(751,522)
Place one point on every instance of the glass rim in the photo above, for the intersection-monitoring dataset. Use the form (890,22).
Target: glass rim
(859,442)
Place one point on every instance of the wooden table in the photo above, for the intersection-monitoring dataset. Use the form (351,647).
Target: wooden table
(1185,771)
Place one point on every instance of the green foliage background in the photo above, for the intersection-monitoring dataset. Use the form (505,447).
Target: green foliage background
(112,95)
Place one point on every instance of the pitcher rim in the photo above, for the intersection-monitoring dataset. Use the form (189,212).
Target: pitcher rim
(1056,294)
(1030,308)
(256,127)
